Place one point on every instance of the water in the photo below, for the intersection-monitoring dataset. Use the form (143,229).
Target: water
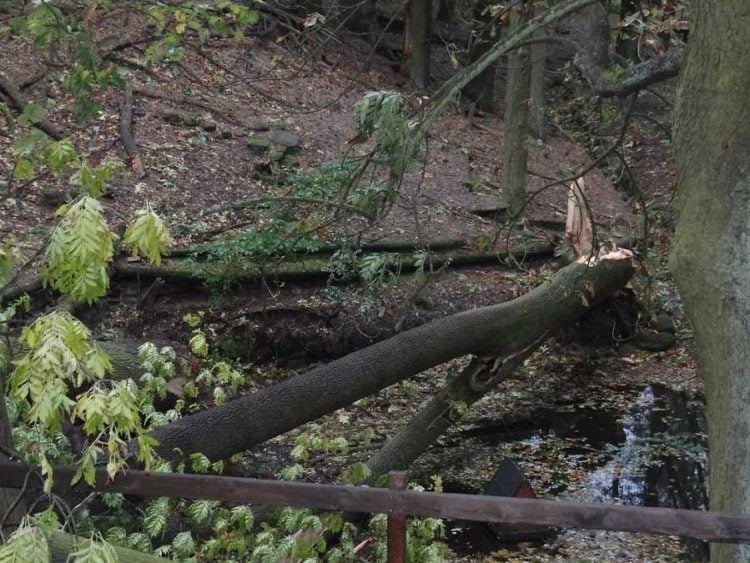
(652,453)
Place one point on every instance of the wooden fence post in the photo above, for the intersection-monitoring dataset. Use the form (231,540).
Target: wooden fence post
(396,520)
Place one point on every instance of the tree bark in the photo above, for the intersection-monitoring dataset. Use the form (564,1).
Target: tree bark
(496,330)
(711,255)
(444,410)
(515,151)
(538,112)
(419,35)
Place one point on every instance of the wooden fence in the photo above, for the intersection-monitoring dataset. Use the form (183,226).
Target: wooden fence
(398,503)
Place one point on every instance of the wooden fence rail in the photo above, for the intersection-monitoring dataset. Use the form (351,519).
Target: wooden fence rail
(397,503)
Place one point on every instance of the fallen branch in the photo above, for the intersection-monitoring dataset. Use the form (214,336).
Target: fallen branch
(181,99)
(20,102)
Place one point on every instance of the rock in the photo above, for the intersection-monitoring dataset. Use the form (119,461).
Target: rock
(286,139)
(257,125)
(664,323)
(654,341)
(208,124)
(175,117)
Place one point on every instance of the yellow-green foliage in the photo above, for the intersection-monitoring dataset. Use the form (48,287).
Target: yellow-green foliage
(148,236)
(59,354)
(79,251)
(26,544)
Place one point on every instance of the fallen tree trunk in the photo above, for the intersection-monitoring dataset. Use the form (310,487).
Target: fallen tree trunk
(445,409)
(499,330)
(61,545)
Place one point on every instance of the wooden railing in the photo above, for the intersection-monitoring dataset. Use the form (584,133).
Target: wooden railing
(399,503)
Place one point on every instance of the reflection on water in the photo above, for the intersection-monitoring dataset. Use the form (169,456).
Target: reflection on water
(662,461)
(655,456)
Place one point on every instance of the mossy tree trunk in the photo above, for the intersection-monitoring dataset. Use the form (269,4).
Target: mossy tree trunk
(515,151)
(711,255)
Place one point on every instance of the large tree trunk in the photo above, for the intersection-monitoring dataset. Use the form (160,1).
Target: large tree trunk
(711,256)
(515,151)
(418,38)
(499,330)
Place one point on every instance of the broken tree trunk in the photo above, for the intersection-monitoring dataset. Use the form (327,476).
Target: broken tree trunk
(499,330)
(444,410)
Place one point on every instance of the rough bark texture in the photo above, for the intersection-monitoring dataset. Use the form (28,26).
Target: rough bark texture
(537,118)
(496,330)
(419,33)
(711,256)
(515,151)
(476,380)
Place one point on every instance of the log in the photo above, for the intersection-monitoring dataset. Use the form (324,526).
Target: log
(19,101)
(499,330)
(61,545)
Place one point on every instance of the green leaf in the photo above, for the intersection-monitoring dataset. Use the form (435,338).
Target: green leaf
(148,236)
(94,550)
(24,169)
(60,156)
(32,114)
(79,252)
(26,545)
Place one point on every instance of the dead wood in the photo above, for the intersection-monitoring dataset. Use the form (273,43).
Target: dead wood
(500,330)
(312,266)
(126,134)
(183,100)
(19,101)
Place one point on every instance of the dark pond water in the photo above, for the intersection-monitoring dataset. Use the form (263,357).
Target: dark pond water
(654,455)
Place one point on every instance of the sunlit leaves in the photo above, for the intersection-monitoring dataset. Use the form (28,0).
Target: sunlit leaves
(198,344)
(94,550)
(26,544)
(79,252)
(148,236)
(58,355)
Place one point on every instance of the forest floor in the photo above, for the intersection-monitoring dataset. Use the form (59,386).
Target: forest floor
(594,419)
